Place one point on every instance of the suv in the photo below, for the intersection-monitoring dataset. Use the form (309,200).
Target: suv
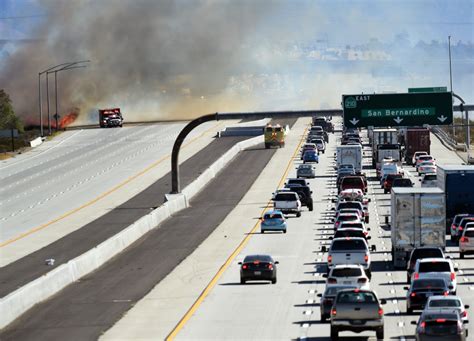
(327,299)
(436,268)
(299,181)
(349,251)
(387,184)
(357,310)
(304,192)
(466,242)
(353,181)
(420,253)
(349,274)
(287,202)
(421,289)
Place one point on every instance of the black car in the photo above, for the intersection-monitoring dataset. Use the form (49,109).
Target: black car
(421,289)
(440,325)
(299,181)
(258,268)
(304,192)
(420,253)
(402,182)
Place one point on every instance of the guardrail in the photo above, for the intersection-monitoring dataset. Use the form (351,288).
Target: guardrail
(444,137)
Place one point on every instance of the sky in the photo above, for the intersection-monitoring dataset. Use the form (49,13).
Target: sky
(164,59)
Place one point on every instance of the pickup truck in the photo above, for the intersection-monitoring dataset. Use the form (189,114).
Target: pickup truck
(287,202)
(357,310)
(349,251)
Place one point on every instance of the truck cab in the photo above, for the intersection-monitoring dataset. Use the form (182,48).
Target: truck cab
(110,118)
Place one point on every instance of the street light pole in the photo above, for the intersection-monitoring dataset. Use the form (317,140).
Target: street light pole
(47,103)
(451,81)
(56,99)
(40,107)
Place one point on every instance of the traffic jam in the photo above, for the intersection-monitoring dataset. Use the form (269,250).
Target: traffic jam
(430,208)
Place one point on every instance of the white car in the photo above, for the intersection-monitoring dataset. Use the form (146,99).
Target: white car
(426,167)
(429,180)
(466,242)
(446,304)
(350,274)
(354,225)
(436,268)
(320,144)
(415,157)
(423,158)
(287,202)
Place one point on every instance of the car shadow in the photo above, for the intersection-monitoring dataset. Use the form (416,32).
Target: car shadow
(247,283)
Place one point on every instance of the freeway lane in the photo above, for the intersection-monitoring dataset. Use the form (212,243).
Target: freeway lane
(87,308)
(290,308)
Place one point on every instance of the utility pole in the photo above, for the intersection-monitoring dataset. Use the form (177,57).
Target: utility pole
(451,82)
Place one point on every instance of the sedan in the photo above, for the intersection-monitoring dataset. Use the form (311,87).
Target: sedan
(421,289)
(440,326)
(446,303)
(306,171)
(273,221)
(258,268)
(310,156)
(426,167)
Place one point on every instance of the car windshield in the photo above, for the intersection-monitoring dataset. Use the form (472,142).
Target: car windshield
(297,181)
(469,233)
(425,157)
(430,177)
(348,244)
(260,258)
(343,205)
(305,167)
(426,253)
(346,272)
(351,181)
(310,153)
(402,182)
(349,233)
(352,225)
(464,221)
(434,266)
(445,303)
(429,283)
(273,216)
(447,327)
(356,297)
(285,197)
(458,218)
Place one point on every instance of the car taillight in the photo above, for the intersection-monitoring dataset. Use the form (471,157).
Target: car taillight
(422,327)
(453,227)
(366,258)
(362,280)
(440,320)
(270,266)
(244,266)
(332,280)
(453,276)
(337,224)
(385,183)
(333,312)
(446,293)
(460,228)
(464,239)
(366,233)
(380,312)
(464,313)
(412,294)
(329,259)
(417,275)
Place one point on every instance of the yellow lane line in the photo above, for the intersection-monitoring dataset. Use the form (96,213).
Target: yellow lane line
(153,165)
(231,258)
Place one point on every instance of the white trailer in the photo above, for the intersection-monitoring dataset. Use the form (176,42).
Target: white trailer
(417,219)
(349,154)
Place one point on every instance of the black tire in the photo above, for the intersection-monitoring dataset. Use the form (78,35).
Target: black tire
(324,151)
(323,318)
(385,191)
(461,255)
(409,310)
(262,231)
(334,334)
(408,279)
(267,146)
(379,333)
(366,220)
(298,214)
(274,280)
(310,206)
(284,231)
(242,281)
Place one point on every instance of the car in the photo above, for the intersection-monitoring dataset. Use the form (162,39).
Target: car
(287,202)
(357,211)
(360,205)
(349,251)
(320,144)
(421,289)
(466,242)
(354,225)
(420,253)
(440,326)
(462,225)
(345,166)
(305,171)
(353,182)
(446,303)
(453,230)
(387,184)
(423,158)
(350,232)
(258,268)
(416,155)
(436,267)
(273,220)
(310,156)
(349,274)
(355,217)
(298,181)
(402,182)
(304,193)
(429,180)
(327,299)
(426,167)
(389,168)
(357,310)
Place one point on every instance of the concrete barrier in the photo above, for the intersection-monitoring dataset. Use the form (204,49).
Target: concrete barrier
(36,142)
(21,300)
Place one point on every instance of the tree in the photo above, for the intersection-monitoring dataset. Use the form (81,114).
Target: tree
(8,119)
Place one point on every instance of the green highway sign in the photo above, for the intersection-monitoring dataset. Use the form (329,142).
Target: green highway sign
(432,89)
(406,109)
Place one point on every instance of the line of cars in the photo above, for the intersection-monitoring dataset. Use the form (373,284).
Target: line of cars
(290,199)
(348,300)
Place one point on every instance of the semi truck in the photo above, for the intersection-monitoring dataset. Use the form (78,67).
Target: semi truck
(387,152)
(349,154)
(415,140)
(110,118)
(387,137)
(274,135)
(457,182)
(418,218)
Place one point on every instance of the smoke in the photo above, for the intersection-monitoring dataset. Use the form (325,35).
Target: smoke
(155,59)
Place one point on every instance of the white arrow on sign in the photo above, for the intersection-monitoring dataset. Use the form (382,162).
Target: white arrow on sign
(354,121)
(442,118)
(398,120)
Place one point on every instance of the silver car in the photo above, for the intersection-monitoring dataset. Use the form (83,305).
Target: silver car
(306,171)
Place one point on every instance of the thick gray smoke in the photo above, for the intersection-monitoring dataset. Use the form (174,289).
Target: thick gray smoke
(156,59)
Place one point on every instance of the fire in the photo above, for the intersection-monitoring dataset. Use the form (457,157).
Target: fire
(67,119)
